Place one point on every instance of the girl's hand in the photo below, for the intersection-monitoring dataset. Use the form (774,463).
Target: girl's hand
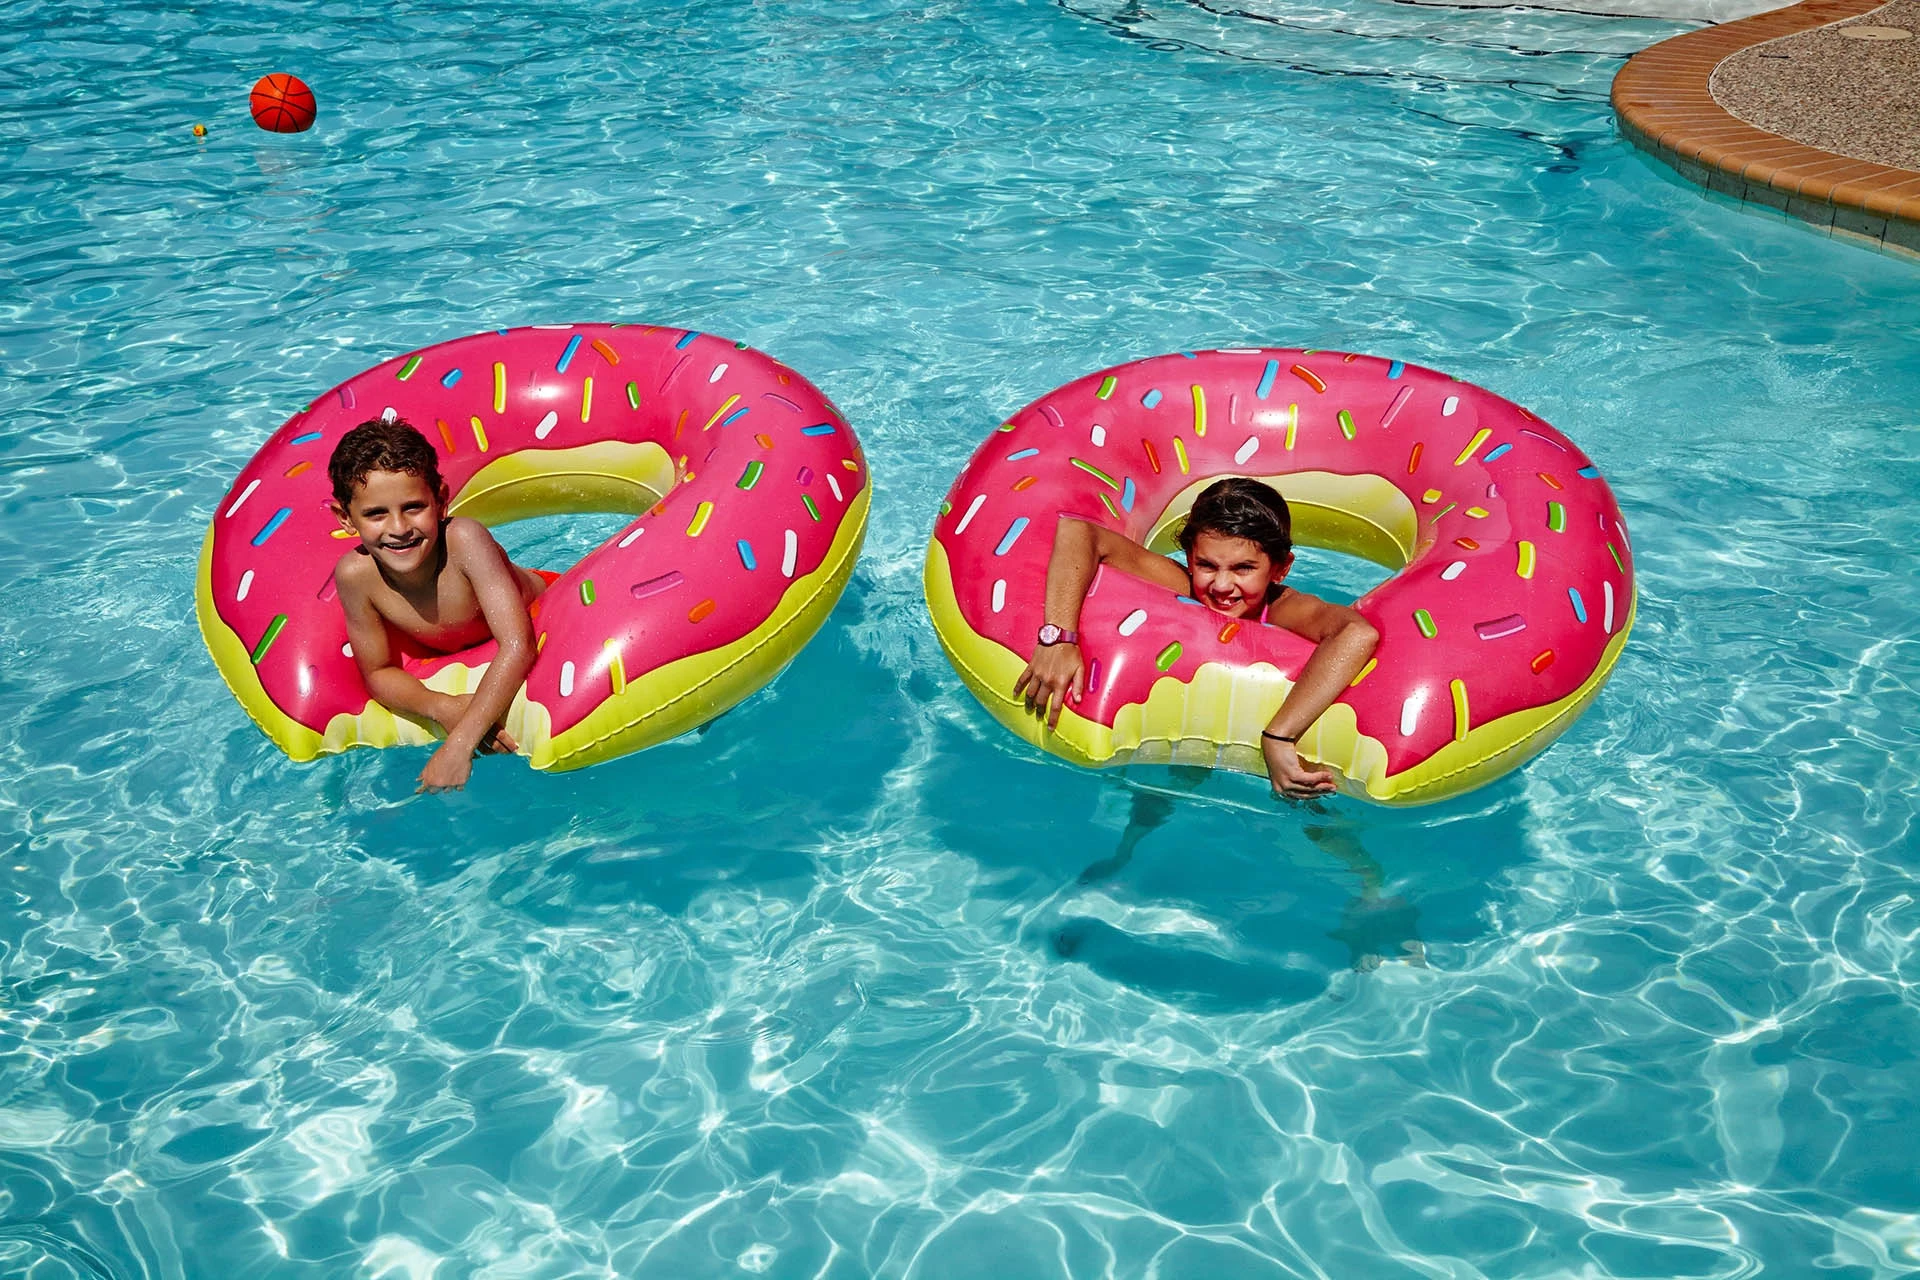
(496,742)
(1056,673)
(1292,777)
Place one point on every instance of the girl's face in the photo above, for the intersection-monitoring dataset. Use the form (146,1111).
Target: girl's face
(1231,575)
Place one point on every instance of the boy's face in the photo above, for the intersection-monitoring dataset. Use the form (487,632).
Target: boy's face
(396,516)
(1231,575)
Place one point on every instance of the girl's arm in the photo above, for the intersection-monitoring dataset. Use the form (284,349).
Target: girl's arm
(1343,641)
(1057,672)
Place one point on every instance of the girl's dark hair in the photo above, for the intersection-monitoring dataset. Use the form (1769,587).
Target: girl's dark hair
(1241,508)
(381,445)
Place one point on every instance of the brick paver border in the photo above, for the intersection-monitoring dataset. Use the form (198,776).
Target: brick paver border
(1665,107)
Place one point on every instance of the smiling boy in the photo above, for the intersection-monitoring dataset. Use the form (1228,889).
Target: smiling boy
(442,583)
(1239,544)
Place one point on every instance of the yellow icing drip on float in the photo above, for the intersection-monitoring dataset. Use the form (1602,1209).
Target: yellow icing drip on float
(1215,719)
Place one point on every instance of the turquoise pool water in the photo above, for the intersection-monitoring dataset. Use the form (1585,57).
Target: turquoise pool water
(852,984)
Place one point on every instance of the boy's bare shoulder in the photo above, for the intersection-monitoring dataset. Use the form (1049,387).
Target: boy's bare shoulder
(354,574)
(467,537)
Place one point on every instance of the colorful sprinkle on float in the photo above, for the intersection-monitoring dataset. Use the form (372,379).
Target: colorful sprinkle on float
(749,486)
(1511,600)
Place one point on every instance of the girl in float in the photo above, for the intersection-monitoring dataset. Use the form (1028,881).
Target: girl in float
(1238,542)
(1510,597)
(1239,549)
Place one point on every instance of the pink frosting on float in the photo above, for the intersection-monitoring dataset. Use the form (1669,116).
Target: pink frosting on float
(663,589)
(1483,475)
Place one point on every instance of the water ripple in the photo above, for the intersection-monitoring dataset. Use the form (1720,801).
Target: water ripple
(851,983)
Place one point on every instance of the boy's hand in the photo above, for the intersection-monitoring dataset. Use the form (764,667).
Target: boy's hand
(447,770)
(448,709)
(1292,777)
(452,709)
(1057,673)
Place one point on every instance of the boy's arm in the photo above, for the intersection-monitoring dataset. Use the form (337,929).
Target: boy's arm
(391,687)
(1080,547)
(1343,641)
(471,550)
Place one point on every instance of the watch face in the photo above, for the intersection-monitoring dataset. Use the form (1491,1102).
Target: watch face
(1050,634)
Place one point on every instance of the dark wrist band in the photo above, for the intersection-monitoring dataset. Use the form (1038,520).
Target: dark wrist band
(1279,737)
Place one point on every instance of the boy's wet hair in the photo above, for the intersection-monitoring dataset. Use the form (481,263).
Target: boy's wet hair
(1241,508)
(381,444)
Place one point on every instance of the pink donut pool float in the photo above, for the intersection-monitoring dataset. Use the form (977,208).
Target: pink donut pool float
(748,485)
(1511,597)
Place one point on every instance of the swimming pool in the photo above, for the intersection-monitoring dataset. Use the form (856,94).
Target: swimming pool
(852,984)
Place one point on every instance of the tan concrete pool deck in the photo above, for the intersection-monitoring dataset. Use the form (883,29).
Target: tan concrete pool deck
(1812,111)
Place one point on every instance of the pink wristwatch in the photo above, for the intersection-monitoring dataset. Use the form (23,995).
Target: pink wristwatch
(1051,635)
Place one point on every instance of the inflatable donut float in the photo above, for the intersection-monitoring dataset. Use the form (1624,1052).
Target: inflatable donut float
(1511,599)
(751,495)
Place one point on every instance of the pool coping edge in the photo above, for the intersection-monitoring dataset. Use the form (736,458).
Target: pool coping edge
(1665,106)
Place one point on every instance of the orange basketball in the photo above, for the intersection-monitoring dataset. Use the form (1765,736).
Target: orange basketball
(282,103)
